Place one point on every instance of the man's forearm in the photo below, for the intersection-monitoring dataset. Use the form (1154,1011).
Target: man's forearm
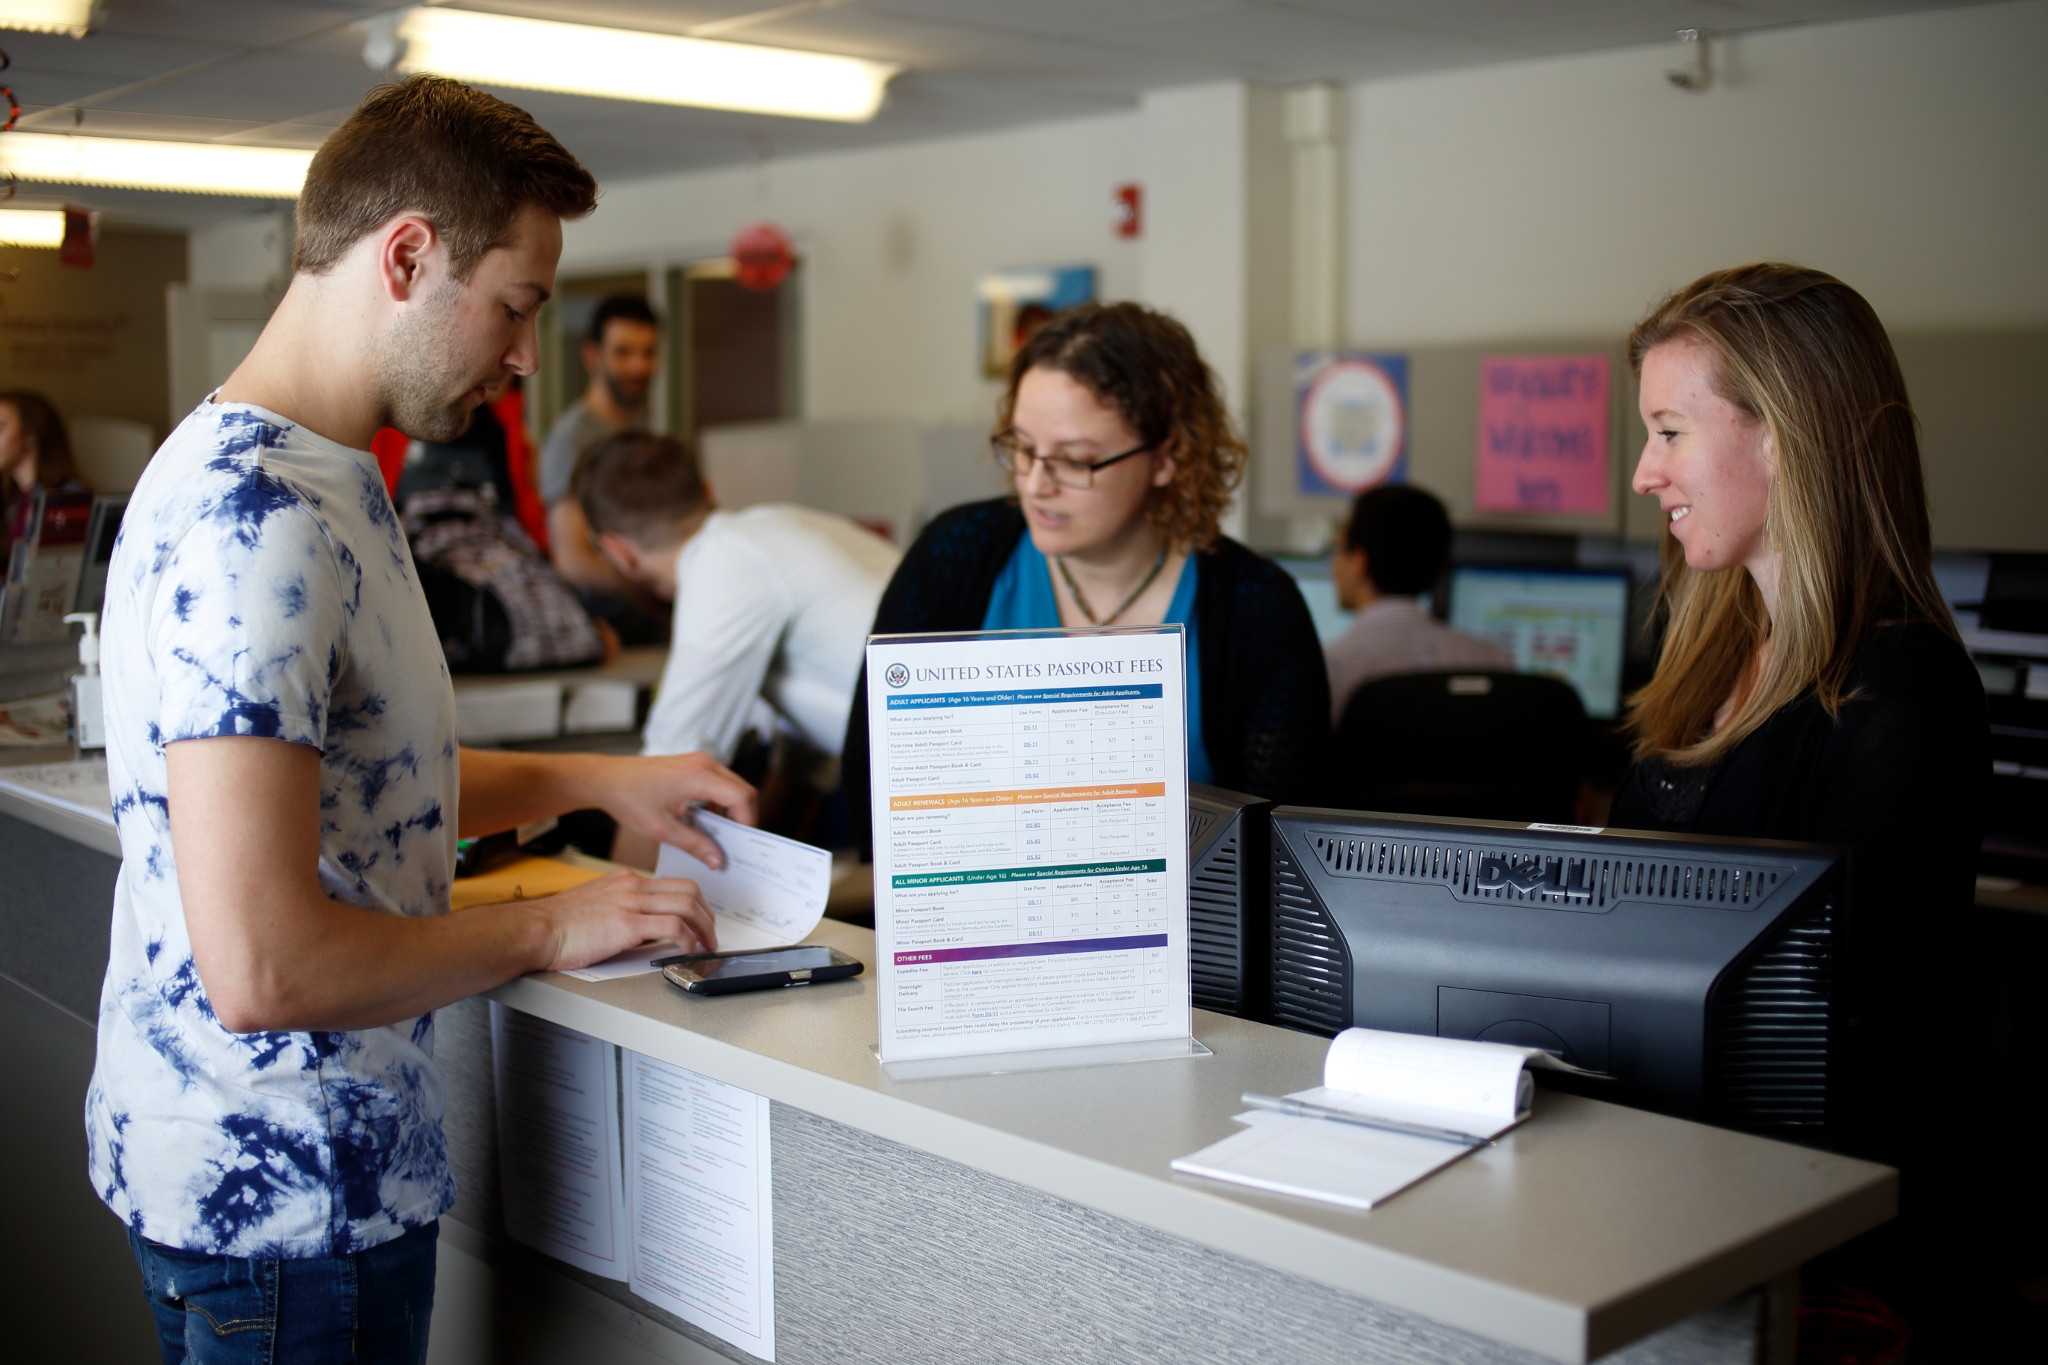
(502,790)
(374,968)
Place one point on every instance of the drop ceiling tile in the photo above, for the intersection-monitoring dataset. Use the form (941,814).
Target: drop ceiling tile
(152,125)
(193,99)
(1655,22)
(240,22)
(1280,43)
(1052,18)
(115,57)
(862,32)
(1130,68)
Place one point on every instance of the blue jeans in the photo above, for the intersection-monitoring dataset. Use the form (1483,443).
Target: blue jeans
(226,1310)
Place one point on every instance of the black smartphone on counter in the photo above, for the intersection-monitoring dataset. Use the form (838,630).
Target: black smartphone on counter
(757,969)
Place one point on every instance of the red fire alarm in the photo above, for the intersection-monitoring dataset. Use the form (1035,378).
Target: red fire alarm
(1127,210)
(764,256)
(76,248)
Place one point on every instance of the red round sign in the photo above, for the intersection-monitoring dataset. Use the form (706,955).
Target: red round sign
(764,256)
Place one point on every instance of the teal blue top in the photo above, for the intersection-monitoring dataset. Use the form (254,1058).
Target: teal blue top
(1023,600)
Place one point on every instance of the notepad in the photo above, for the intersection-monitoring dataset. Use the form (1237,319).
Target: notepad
(1477,1089)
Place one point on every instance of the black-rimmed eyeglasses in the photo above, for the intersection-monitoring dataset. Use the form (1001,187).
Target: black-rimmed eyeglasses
(1017,459)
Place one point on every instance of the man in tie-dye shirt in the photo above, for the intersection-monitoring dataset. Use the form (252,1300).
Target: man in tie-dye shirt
(265,1112)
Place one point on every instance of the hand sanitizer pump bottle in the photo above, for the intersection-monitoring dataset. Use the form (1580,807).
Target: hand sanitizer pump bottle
(88,721)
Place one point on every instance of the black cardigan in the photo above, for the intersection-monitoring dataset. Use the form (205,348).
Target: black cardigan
(1265,695)
(1900,780)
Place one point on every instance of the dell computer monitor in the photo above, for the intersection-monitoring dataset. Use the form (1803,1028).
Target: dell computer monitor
(1570,623)
(1696,976)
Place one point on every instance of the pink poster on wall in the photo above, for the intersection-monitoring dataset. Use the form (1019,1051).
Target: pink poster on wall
(1543,434)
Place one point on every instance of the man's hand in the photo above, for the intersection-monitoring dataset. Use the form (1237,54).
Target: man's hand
(649,796)
(624,910)
(652,797)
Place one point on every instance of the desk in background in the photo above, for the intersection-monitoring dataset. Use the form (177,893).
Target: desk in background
(581,708)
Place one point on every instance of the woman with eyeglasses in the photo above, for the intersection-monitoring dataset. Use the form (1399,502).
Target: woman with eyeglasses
(1121,459)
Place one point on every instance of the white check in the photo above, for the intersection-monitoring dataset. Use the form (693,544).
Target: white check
(771,891)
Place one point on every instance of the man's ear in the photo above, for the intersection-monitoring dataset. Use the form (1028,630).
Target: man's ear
(593,356)
(624,554)
(405,246)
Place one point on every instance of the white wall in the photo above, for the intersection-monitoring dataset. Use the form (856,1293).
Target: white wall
(892,242)
(1908,156)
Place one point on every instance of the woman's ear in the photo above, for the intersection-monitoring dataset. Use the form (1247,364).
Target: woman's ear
(1166,462)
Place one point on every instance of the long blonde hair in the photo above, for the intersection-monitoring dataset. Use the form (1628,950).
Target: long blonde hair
(1805,355)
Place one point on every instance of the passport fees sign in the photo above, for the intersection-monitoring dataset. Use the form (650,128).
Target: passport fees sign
(1030,813)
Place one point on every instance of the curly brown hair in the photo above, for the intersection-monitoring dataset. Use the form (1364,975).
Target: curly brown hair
(1146,364)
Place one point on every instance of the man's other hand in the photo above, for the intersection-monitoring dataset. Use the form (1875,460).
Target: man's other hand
(652,797)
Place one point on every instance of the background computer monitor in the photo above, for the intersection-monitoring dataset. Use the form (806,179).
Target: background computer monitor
(1571,623)
(1312,576)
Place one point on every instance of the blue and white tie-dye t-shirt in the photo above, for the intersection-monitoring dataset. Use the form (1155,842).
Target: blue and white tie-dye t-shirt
(262,586)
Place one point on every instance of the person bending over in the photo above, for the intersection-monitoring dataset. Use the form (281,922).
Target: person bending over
(265,1113)
(621,354)
(771,602)
(1123,459)
(1396,546)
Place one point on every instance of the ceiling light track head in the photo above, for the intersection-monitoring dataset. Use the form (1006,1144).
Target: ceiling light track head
(1697,77)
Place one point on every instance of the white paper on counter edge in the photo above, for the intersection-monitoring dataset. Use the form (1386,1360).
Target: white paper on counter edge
(549,1188)
(727,1165)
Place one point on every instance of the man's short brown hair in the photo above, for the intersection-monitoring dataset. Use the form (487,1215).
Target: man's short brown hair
(640,486)
(466,161)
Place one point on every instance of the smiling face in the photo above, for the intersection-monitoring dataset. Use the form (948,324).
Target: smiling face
(1707,462)
(1058,415)
(460,345)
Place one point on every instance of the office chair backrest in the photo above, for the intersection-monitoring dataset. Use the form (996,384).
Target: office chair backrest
(1479,746)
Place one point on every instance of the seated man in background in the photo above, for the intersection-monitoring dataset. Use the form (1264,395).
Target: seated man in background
(621,354)
(1396,546)
(772,603)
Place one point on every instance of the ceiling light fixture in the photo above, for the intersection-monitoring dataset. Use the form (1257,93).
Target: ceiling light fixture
(71,17)
(32,227)
(129,163)
(623,64)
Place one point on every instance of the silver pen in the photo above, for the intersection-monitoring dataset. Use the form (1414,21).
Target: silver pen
(1281,1104)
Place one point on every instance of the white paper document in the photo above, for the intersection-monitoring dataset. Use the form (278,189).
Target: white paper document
(699,1191)
(558,1141)
(1478,1089)
(1030,815)
(771,891)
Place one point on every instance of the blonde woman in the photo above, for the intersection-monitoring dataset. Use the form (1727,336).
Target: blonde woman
(1121,459)
(1811,684)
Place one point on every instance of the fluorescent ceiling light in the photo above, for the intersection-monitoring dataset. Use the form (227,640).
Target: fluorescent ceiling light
(71,17)
(32,227)
(195,167)
(622,64)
